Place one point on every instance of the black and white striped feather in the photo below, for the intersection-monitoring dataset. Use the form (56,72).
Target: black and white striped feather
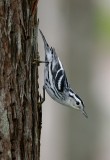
(55,80)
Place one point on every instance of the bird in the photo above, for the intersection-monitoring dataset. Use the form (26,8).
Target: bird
(55,80)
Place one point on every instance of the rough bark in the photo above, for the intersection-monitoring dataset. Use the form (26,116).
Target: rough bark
(20,113)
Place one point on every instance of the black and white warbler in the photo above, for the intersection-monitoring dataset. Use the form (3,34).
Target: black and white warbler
(55,80)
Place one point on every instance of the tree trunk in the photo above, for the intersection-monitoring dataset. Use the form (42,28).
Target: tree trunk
(20,113)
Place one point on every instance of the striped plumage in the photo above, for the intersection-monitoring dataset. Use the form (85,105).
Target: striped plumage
(55,80)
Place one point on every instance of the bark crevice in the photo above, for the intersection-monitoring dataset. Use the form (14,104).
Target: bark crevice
(20,113)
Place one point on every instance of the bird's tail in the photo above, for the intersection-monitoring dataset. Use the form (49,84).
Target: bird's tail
(44,40)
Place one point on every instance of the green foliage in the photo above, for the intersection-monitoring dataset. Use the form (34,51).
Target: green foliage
(102,24)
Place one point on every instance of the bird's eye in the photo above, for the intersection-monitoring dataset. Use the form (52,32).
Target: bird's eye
(77,103)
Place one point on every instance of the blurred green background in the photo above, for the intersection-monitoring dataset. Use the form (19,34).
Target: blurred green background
(80,32)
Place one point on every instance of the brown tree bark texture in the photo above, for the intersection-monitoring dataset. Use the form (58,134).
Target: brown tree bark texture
(20,115)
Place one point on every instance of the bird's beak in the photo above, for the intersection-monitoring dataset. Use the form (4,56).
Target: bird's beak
(85,114)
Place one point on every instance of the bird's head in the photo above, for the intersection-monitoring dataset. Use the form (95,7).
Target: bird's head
(75,101)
